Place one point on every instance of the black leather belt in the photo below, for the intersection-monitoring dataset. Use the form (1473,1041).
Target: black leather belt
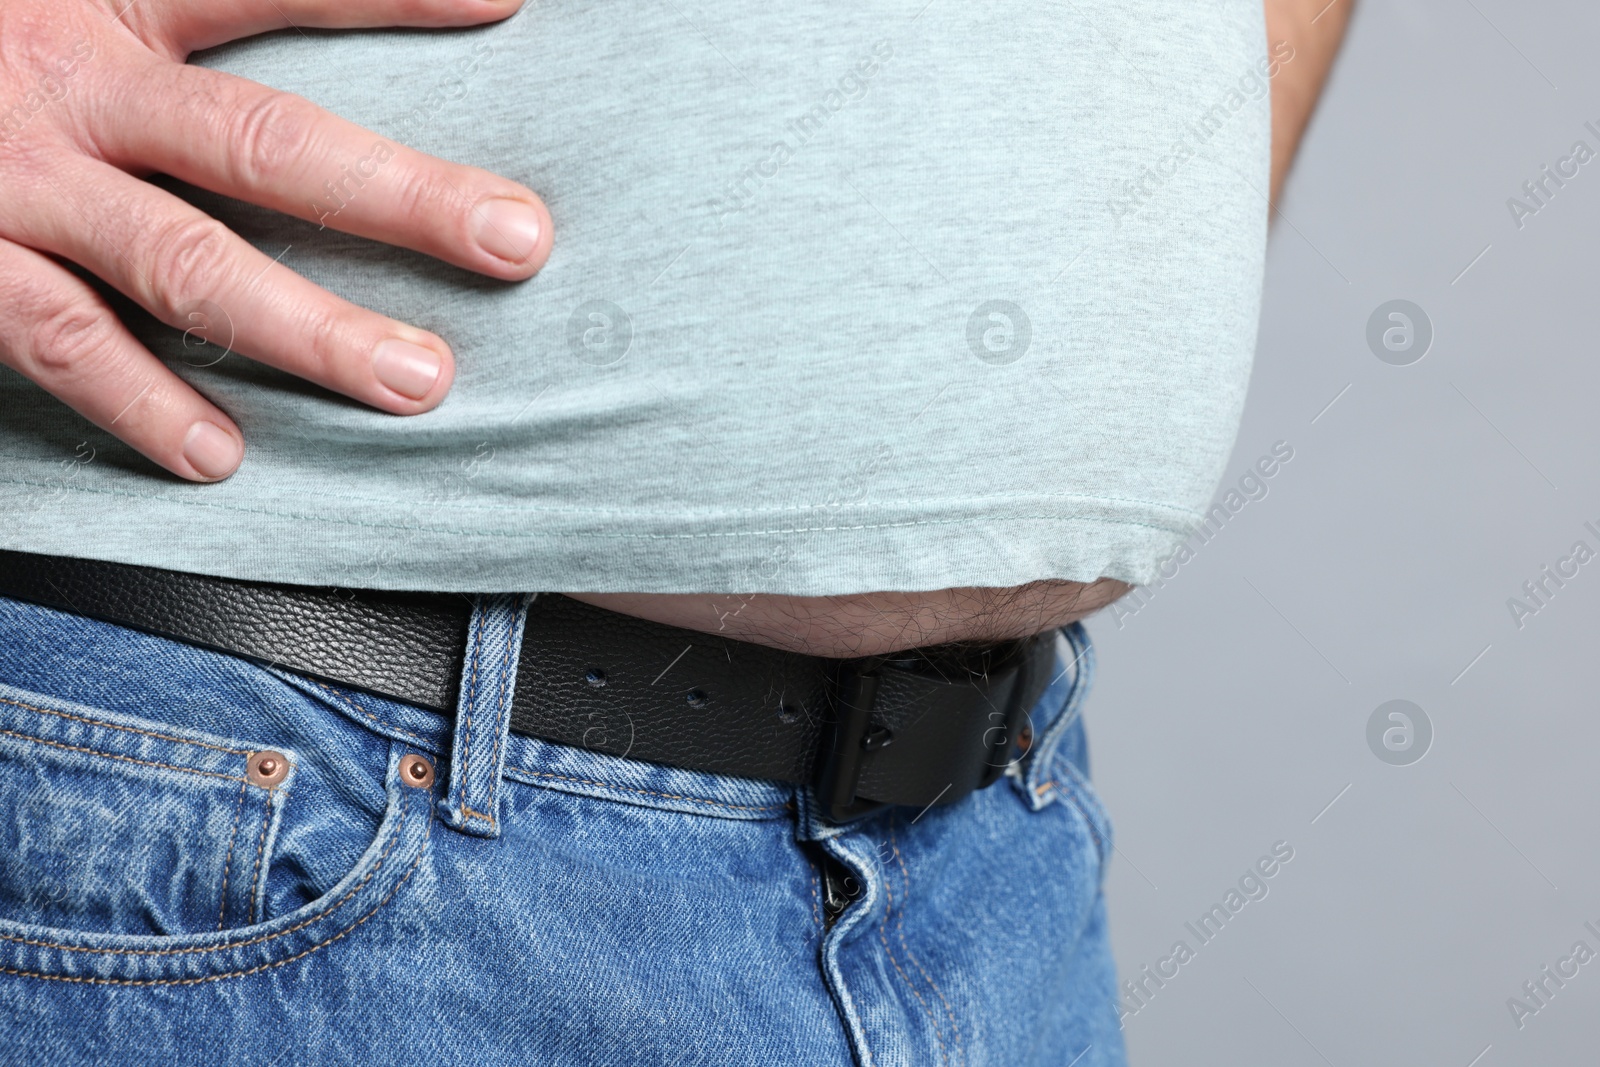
(917,728)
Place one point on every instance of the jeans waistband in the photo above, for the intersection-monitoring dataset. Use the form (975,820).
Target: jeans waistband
(60,653)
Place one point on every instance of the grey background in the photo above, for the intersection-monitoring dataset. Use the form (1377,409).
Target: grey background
(1233,708)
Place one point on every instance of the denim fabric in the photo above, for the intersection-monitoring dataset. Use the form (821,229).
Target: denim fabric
(483,715)
(158,907)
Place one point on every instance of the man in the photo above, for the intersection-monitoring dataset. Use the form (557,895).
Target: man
(879,346)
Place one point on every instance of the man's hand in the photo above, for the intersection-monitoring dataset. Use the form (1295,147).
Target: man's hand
(94,93)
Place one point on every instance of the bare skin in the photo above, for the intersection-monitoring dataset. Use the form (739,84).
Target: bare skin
(106,98)
(1314,29)
(867,624)
(95,94)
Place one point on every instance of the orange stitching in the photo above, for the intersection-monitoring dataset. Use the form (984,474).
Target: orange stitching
(126,729)
(477,815)
(227,864)
(255,879)
(427,835)
(900,926)
(653,793)
(883,935)
(127,759)
(376,867)
(351,704)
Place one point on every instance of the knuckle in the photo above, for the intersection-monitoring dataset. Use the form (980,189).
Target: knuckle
(427,192)
(72,342)
(189,258)
(271,135)
(329,357)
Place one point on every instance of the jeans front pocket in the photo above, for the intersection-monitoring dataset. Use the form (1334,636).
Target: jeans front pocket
(144,839)
(112,824)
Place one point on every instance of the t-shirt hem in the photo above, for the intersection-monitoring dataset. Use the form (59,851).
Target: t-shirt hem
(855,548)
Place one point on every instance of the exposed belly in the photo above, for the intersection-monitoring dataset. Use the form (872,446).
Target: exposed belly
(866,624)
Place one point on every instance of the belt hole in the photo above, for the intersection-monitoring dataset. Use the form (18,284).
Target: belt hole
(697,698)
(596,677)
(877,736)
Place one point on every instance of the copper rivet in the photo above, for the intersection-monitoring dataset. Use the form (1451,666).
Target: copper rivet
(416,771)
(267,768)
(1025,738)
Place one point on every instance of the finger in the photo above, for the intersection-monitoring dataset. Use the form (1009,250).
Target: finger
(278,150)
(57,332)
(170,257)
(195,24)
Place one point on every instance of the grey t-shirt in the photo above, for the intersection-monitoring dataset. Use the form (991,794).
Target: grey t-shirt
(899,294)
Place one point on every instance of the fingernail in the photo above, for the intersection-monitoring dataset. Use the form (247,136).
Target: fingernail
(408,369)
(211,450)
(506,229)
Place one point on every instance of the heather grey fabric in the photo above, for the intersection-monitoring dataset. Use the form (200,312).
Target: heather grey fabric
(889,295)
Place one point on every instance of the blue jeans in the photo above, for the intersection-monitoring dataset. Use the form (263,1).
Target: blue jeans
(533,904)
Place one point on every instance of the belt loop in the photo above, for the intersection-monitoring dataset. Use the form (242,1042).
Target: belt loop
(483,714)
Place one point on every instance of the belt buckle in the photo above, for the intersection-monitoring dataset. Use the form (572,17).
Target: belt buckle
(839,759)
(852,734)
